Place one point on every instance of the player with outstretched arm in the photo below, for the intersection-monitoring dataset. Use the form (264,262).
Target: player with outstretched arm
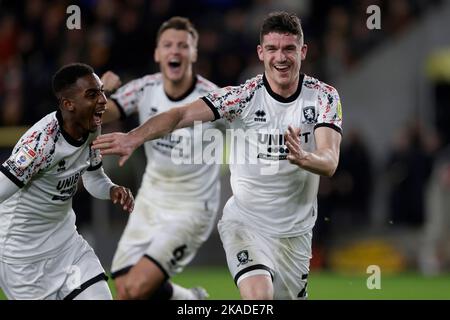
(42,256)
(266,227)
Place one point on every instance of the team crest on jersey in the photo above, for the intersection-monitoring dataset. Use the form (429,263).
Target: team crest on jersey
(309,115)
(243,257)
(24,157)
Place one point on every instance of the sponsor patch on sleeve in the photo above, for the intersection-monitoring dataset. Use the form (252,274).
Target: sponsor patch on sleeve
(339,109)
(24,157)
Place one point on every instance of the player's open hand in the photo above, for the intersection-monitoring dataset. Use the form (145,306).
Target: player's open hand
(121,144)
(292,141)
(123,196)
(111,81)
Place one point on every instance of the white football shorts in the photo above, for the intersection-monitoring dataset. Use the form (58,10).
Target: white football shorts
(169,234)
(250,252)
(62,277)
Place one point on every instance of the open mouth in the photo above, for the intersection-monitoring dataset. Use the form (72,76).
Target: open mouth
(174,64)
(98,117)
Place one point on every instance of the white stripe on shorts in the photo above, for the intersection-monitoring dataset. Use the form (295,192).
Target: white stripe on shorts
(255,272)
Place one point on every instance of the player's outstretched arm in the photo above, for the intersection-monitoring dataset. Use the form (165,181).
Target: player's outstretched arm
(7,187)
(324,160)
(123,144)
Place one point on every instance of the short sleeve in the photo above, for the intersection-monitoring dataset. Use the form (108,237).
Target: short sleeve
(330,109)
(33,153)
(229,102)
(128,96)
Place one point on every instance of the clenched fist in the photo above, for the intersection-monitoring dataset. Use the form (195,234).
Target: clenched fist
(111,81)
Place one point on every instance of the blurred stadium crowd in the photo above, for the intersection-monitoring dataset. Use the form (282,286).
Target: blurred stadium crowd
(120,36)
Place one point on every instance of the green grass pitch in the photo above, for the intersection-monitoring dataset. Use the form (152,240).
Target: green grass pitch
(326,285)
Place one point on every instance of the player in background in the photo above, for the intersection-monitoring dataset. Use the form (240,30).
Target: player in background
(177,204)
(42,256)
(266,227)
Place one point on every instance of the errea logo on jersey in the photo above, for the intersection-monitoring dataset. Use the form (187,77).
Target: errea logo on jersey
(260,116)
(151,112)
(61,165)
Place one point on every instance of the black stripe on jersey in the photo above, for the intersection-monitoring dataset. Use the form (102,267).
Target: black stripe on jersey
(123,115)
(86,285)
(212,107)
(166,275)
(188,92)
(95,167)
(281,99)
(251,268)
(120,272)
(12,177)
(328,125)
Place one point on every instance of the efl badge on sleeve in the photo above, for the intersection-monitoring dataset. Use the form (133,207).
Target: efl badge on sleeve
(24,157)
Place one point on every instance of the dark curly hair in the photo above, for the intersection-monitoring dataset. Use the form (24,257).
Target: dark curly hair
(281,22)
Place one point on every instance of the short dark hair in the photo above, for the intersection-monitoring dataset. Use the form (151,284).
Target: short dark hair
(281,22)
(178,23)
(67,75)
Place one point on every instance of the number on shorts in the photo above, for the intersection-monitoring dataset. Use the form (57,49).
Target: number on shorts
(178,254)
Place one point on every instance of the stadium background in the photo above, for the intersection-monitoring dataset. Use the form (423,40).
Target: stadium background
(394,84)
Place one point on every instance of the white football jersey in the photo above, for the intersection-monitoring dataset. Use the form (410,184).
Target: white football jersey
(173,170)
(269,192)
(46,164)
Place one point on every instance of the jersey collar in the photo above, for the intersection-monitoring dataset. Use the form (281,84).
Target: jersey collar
(279,98)
(69,139)
(188,92)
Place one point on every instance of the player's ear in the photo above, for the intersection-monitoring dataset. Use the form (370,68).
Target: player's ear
(67,104)
(156,55)
(259,50)
(194,55)
(304,50)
